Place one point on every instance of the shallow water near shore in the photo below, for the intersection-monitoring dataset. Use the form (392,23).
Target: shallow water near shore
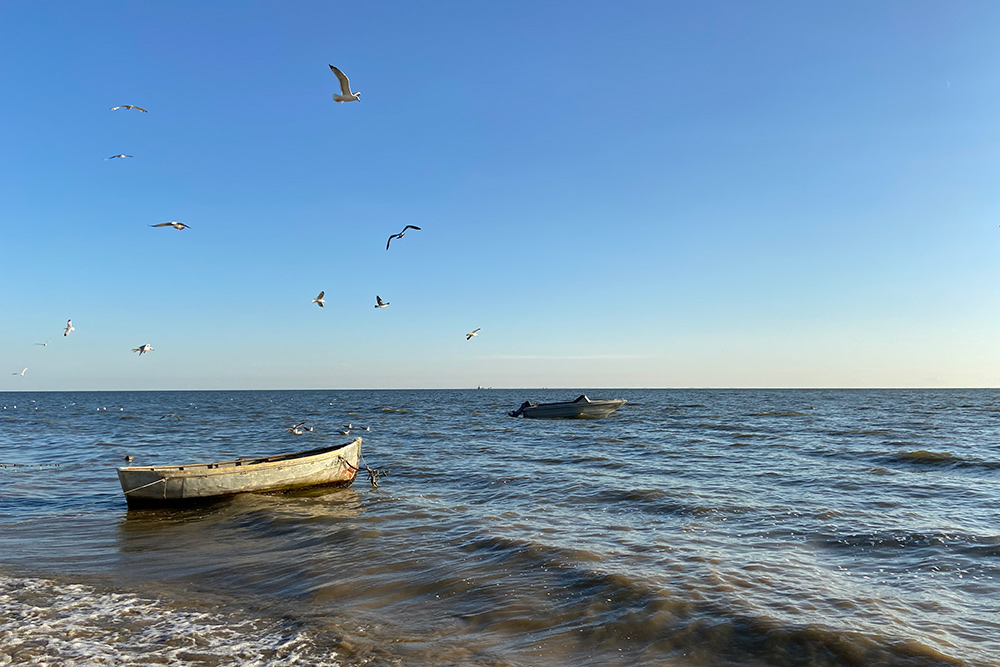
(692,527)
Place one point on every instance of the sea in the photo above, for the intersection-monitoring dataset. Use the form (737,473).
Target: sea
(690,528)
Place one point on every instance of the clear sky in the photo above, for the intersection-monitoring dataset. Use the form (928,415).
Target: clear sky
(619,194)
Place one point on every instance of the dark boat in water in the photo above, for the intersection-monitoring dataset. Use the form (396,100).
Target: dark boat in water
(581,408)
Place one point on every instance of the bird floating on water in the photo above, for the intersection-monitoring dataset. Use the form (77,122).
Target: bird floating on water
(319,299)
(170,414)
(119,155)
(380,303)
(400,235)
(128,106)
(176,225)
(143,348)
(69,327)
(296,429)
(345,88)
(474,332)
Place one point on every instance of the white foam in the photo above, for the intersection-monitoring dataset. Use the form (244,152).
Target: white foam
(44,623)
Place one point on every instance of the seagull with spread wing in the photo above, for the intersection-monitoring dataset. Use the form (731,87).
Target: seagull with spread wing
(176,225)
(119,155)
(69,327)
(345,88)
(379,302)
(143,348)
(400,235)
(319,299)
(128,106)
(474,332)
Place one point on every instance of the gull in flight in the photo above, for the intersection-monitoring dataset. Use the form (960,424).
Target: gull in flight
(474,332)
(176,225)
(119,155)
(21,373)
(129,106)
(319,299)
(297,429)
(143,348)
(170,414)
(45,344)
(345,88)
(69,327)
(380,303)
(400,235)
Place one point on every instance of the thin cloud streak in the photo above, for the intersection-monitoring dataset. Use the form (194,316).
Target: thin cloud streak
(566,357)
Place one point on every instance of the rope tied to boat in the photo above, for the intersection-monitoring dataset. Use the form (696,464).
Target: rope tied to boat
(373,475)
(144,486)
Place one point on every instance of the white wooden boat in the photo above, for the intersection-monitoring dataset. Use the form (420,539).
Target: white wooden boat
(153,486)
(582,408)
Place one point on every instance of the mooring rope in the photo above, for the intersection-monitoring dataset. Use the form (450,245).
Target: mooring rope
(373,475)
(140,488)
(50,465)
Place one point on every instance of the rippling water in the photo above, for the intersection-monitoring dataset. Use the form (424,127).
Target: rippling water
(692,527)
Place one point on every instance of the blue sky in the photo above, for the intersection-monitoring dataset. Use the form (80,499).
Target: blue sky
(635,194)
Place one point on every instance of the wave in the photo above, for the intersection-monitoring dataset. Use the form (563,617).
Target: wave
(602,614)
(924,457)
(658,501)
(780,413)
(46,622)
(977,547)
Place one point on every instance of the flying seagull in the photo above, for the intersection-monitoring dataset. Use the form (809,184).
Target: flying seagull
(319,299)
(176,225)
(69,327)
(472,333)
(45,344)
(143,348)
(21,373)
(129,106)
(345,88)
(119,155)
(170,414)
(400,235)
(380,303)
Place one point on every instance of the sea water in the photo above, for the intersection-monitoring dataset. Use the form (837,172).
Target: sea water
(691,527)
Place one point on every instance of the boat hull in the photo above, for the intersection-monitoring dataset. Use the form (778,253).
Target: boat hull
(163,486)
(579,409)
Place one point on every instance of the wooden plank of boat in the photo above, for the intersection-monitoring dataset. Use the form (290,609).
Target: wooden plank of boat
(582,408)
(151,486)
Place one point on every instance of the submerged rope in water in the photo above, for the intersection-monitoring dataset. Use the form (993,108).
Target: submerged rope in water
(373,475)
(50,465)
